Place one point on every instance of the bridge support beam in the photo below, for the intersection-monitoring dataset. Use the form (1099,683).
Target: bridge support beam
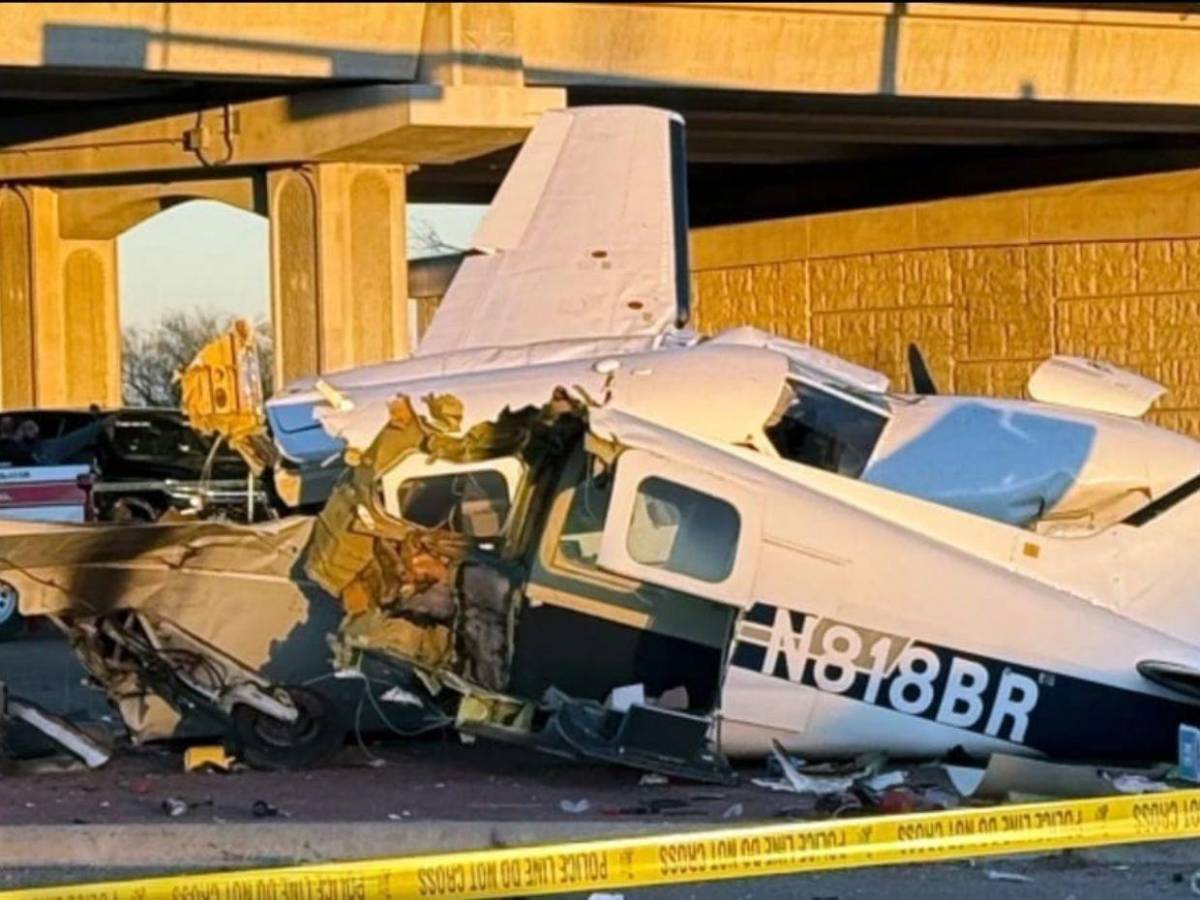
(59,335)
(339,268)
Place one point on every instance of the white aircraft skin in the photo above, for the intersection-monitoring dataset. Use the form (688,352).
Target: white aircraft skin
(986,574)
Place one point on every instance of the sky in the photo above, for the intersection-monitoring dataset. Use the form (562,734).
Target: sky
(210,255)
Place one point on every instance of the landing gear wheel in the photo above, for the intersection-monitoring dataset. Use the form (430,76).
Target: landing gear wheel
(267,743)
(11,620)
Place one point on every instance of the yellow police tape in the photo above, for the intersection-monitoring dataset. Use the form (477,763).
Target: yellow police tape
(744,852)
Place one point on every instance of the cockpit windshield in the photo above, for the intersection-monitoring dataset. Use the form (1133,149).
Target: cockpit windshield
(819,428)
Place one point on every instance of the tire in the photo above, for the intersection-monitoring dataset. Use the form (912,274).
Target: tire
(133,510)
(266,743)
(12,623)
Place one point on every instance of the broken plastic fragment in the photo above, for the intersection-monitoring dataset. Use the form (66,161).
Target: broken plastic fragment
(999,875)
(1128,783)
(675,698)
(333,396)
(207,757)
(400,695)
(621,698)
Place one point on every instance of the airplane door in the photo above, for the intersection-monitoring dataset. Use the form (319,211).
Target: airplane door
(686,529)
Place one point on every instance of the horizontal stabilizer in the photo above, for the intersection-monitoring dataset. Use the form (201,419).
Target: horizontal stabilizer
(1173,676)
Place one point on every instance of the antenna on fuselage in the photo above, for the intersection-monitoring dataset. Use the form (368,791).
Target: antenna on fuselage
(922,381)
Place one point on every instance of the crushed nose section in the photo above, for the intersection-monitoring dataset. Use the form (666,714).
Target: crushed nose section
(425,589)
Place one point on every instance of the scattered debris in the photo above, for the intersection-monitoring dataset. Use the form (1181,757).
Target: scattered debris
(174,807)
(400,695)
(1188,757)
(261,809)
(1000,875)
(798,782)
(1132,783)
(1019,778)
(885,780)
(964,779)
(59,764)
(141,786)
(85,747)
(676,698)
(574,806)
(899,800)
(734,812)
(622,698)
(653,779)
(207,758)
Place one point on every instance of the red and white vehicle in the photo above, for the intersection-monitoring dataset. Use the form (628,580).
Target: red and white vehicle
(42,494)
(46,493)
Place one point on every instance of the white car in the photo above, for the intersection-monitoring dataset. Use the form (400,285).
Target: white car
(42,494)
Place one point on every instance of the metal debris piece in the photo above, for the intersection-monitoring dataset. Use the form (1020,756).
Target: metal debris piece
(75,740)
(207,757)
(1000,875)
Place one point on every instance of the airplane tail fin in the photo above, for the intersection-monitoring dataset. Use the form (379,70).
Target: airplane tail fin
(585,242)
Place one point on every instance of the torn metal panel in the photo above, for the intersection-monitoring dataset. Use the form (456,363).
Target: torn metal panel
(175,569)
(223,395)
(93,752)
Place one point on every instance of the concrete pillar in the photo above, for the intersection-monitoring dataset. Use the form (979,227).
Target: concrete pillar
(338,267)
(60,342)
(17,360)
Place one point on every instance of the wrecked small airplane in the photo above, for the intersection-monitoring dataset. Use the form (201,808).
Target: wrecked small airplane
(570,522)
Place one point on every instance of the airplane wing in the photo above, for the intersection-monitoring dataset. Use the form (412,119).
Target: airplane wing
(583,250)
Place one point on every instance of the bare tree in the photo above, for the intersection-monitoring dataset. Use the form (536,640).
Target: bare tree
(154,354)
(425,240)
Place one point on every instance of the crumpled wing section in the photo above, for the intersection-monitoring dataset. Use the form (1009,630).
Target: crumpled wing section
(586,240)
(159,568)
(231,587)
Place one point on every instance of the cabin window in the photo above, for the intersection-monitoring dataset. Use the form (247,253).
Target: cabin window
(683,531)
(472,503)
(821,429)
(583,527)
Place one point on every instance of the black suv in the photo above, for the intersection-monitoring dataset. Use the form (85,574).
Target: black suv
(145,461)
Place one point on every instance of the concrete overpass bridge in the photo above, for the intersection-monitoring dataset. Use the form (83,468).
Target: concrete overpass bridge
(329,118)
